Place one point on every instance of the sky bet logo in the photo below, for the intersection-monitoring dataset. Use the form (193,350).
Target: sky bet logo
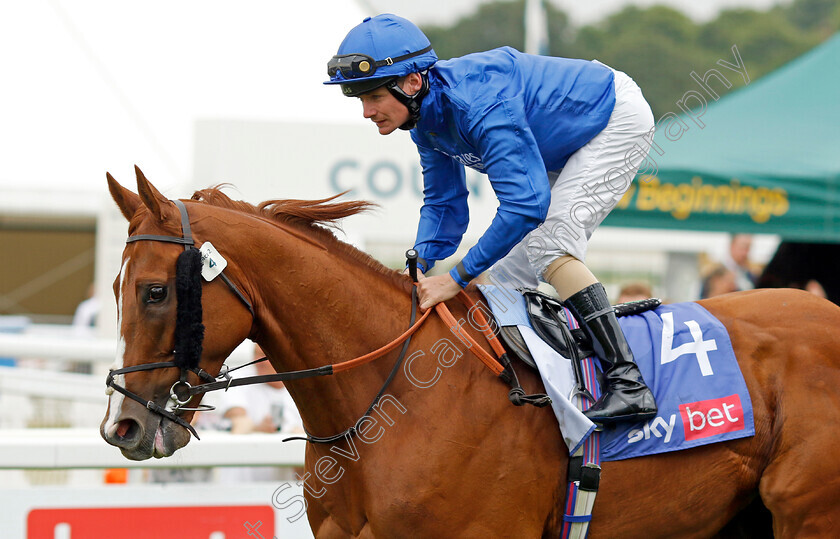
(700,420)
(657,427)
(708,418)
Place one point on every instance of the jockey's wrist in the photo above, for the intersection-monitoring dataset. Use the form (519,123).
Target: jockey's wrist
(460,275)
(423,265)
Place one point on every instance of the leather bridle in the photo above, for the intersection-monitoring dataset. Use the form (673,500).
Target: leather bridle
(182,392)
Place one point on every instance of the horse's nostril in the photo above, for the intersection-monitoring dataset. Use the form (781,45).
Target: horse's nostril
(127,428)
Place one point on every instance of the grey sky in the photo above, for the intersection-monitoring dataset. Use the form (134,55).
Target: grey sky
(447,11)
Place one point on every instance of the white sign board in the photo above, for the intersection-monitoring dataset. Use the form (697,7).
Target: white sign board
(295,160)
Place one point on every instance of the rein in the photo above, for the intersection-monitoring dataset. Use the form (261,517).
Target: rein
(182,392)
(501,367)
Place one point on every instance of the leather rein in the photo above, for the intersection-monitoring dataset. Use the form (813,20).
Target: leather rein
(182,391)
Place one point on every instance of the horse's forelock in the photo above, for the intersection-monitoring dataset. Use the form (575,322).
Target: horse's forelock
(169,226)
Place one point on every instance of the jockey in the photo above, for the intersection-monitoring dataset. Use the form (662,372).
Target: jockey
(560,141)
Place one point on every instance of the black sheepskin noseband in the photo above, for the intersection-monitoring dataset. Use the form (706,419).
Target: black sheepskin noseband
(189,331)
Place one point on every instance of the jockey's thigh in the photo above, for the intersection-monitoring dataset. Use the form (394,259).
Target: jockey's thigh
(514,270)
(594,179)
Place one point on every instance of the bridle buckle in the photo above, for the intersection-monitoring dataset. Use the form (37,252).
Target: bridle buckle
(225,373)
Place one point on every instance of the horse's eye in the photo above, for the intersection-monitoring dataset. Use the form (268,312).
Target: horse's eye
(155,294)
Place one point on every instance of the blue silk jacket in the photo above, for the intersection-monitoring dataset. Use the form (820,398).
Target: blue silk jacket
(514,117)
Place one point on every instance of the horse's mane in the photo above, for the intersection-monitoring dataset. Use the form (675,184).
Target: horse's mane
(313,216)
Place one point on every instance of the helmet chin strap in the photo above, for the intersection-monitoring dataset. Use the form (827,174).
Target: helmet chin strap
(411,102)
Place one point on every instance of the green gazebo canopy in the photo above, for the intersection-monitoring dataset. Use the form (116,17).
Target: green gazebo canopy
(762,159)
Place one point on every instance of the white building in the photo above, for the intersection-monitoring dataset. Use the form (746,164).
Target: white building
(197,93)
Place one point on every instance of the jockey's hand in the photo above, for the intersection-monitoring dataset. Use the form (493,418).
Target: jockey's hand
(420,275)
(433,290)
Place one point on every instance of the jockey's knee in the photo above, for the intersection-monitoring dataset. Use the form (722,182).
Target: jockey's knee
(568,275)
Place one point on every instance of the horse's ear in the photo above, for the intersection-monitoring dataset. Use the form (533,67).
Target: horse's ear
(127,201)
(159,206)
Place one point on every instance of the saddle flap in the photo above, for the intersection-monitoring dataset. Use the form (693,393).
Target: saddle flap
(548,318)
(513,340)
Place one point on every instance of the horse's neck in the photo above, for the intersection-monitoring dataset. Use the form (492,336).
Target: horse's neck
(322,307)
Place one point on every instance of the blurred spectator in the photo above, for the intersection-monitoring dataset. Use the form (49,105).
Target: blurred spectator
(814,287)
(718,280)
(84,326)
(808,266)
(84,319)
(634,291)
(266,407)
(738,262)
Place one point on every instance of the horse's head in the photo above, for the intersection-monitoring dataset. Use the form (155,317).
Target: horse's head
(162,337)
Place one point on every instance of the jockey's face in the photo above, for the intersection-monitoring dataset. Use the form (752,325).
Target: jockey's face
(384,109)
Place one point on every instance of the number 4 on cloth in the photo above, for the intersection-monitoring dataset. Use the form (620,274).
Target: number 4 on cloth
(698,347)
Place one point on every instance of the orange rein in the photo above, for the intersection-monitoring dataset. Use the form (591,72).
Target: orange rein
(482,354)
(444,313)
(367,358)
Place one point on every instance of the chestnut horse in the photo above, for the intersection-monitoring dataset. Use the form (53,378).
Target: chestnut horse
(451,457)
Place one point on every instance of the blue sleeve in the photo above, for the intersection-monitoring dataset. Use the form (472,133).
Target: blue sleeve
(445,215)
(517,173)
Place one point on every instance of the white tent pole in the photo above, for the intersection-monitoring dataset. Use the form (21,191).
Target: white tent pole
(536,27)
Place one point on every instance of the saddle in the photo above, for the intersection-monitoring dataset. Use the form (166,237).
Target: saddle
(548,319)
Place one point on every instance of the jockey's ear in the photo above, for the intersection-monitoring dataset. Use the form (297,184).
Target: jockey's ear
(160,207)
(127,201)
(412,83)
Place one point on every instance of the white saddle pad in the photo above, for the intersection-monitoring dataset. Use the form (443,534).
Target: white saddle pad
(508,307)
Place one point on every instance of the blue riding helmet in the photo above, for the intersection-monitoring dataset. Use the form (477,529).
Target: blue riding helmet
(378,52)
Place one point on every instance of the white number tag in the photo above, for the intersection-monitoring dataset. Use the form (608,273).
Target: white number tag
(212,263)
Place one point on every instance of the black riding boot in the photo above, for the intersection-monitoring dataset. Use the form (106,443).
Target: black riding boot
(625,397)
